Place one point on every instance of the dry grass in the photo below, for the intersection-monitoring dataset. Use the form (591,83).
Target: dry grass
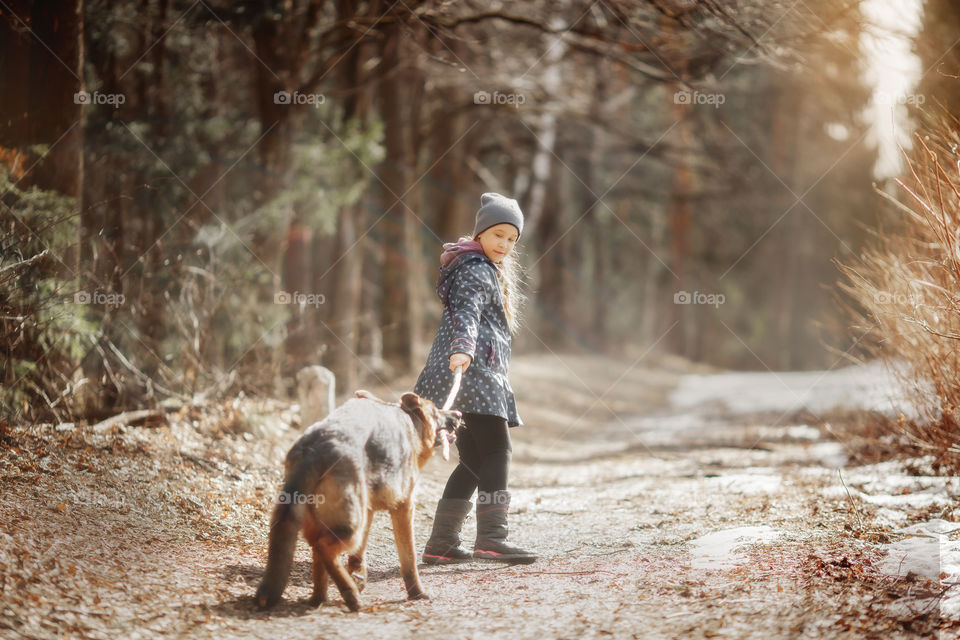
(905,290)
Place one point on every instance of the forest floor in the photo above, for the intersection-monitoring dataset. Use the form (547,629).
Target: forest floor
(666,501)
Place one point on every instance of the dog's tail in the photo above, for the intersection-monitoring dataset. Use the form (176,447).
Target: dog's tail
(285,524)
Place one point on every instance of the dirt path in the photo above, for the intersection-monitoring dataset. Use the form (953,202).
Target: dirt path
(650,522)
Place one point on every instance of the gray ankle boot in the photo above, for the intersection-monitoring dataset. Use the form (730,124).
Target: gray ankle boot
(443,547)
(492,531)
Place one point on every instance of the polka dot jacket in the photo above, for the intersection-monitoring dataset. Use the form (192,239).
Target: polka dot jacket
(475,323)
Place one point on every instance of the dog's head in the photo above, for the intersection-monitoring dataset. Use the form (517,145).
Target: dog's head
(436,426)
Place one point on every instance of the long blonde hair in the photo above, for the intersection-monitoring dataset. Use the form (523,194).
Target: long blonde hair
(510,276)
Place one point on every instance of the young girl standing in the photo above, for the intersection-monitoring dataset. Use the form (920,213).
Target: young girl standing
(478,284)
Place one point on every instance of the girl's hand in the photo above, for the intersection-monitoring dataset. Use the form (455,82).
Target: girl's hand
(458,359)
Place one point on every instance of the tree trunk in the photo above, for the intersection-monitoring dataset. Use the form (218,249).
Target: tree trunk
(344,262)
(16,45)
(550,266)
(397,233)
(55,115)
(296,282)
(786,149)
(679,216)
(547,134)
(348,283)
(448,193)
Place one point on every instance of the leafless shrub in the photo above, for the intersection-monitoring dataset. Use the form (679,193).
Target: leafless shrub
(906,293)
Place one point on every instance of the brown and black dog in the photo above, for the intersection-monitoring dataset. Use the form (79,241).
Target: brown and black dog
(364,457)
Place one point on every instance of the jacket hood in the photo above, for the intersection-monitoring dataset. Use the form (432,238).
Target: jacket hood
(453,249)
(445,278)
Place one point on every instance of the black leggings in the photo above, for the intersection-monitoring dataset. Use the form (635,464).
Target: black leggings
(485,451)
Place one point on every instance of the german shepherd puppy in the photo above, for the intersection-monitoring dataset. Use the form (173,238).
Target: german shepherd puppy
(364,457)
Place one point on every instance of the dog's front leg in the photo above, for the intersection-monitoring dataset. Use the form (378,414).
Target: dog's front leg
(402,518)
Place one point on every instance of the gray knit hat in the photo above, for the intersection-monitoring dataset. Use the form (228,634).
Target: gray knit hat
(497,209)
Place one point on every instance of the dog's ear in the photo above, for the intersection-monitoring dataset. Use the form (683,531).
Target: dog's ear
(415,406)
(411,402)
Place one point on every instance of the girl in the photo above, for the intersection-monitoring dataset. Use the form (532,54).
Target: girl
(478,286)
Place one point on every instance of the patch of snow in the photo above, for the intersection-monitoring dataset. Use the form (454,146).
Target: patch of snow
(889,517)
(870,387)
(871,472)
(911,484)
(835,491)
(830,454)
(927,550)
(726,549)
(816,472)
(930,553)
(803,432)
(747,483)
(887,484)
(915,500)
(666,423)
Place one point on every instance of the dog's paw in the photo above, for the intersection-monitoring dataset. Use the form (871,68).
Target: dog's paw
(360,580)
(316,600)
(418,595)
(265,599)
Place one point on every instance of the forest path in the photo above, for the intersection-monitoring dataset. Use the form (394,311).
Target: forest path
(657,513)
